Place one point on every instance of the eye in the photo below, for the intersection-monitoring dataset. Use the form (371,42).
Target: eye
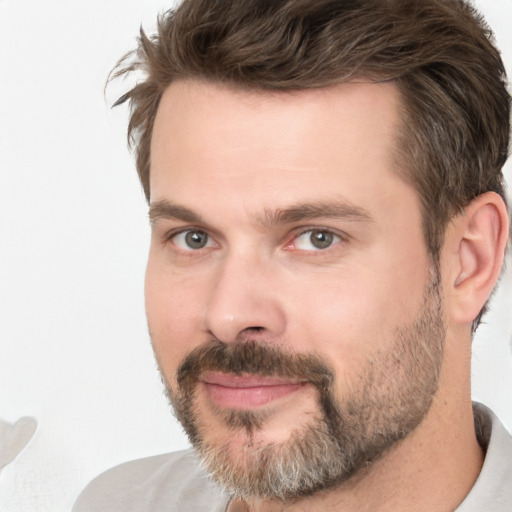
(192,240)
(315,240)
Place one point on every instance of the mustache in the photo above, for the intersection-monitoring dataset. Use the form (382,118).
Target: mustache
(257,358)
(250,357)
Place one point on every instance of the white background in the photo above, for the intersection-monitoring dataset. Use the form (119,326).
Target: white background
(74,350)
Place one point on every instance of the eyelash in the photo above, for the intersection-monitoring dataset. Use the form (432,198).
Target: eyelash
(337,238)
(172,235)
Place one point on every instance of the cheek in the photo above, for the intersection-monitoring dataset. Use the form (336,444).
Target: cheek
(351,317)
(173,311)
(343,322)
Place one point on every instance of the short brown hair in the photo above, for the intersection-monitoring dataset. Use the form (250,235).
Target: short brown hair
(440,53)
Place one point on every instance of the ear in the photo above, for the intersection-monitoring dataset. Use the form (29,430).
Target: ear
(478,238)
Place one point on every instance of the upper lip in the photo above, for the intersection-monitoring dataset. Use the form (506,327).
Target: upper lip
(245,381)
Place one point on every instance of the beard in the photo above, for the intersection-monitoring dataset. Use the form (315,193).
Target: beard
(392,394)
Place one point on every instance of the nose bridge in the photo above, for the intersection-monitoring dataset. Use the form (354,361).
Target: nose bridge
(244,297)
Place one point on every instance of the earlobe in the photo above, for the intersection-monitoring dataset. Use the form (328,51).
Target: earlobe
(482,237)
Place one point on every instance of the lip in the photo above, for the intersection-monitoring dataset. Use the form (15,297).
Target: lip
(247,392)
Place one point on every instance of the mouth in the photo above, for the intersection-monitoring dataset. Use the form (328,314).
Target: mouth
(247,392)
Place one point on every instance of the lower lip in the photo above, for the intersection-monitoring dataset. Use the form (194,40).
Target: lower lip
(248,397)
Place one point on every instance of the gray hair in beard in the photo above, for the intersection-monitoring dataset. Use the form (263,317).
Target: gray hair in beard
(392,395)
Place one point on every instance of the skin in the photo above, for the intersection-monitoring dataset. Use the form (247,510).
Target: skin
(263,279)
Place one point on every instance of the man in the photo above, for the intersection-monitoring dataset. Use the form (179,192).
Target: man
(328,222)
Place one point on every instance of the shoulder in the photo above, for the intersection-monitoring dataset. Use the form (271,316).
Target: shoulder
(170,482)
(493,488)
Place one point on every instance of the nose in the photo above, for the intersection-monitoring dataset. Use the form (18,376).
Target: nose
(244,300)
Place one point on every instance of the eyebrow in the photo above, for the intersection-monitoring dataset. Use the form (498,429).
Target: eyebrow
(166,210)
(338,209)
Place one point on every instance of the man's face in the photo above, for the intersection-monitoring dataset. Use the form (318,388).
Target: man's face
(292,306)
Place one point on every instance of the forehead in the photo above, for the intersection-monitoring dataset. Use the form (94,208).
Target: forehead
(211,111)
(210,137)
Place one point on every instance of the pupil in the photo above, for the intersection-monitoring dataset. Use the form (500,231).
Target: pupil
(196,239)
(321,239)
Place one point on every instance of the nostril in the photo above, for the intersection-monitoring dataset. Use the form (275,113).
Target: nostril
(249,332)
(253,333)
(253,329)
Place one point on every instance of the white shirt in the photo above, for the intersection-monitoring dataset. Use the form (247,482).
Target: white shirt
(176,482)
